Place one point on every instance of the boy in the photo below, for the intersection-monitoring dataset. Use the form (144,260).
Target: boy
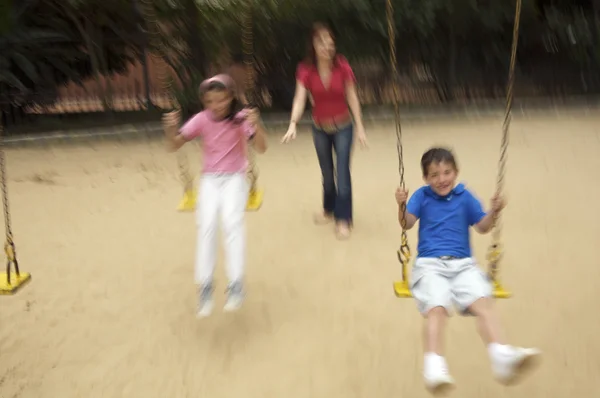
(445,271)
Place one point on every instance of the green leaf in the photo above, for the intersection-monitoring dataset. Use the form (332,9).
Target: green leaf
(26,66)
(10,79)
(72,74)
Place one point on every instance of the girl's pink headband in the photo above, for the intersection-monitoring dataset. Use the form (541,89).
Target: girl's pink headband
(224,79)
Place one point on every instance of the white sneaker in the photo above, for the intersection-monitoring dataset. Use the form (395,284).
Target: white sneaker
(509,365)
(205,301)
(235,297)
(436,375)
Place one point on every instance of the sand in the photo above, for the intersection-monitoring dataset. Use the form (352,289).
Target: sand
(111,308)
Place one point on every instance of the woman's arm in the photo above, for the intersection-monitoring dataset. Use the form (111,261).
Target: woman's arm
(299,103)
(354,104)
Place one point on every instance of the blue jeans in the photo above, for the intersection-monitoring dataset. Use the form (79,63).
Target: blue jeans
(337,201)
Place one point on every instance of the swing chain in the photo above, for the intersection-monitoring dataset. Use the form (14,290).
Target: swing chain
(9,244)
(166,82)
(248,49)
(404,254)
(495,251)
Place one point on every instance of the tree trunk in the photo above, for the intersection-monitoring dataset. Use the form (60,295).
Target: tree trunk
(146,76)
(143,54)
(453,57)
(89,43)
(107,100)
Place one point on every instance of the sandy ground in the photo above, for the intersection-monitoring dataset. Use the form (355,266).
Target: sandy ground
(110,311)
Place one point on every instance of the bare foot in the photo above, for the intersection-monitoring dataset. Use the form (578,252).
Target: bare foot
(342,230)
(322,218)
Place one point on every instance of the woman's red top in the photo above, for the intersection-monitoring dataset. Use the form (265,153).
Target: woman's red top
(329,102)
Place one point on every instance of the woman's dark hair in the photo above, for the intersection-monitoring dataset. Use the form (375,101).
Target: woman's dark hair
(311,55)
(437,155)
(235,107)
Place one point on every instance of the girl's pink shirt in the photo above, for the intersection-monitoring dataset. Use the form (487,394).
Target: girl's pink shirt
(224,142)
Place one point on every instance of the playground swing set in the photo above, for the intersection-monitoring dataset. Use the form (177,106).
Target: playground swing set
(12,280)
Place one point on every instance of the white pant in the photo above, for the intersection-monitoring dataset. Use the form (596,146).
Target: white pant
(223,195)
(438,282)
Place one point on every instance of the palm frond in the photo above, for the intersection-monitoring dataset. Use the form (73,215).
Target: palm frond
(25,65)
(10,79)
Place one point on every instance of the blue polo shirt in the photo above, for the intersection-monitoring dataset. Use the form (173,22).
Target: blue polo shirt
(444,221)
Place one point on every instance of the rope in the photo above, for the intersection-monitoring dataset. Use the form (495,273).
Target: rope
(495,250)
(9,244)
(166,82)
(404,254)
(248,49)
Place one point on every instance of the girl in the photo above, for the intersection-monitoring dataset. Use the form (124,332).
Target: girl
(329,80)
(225,130)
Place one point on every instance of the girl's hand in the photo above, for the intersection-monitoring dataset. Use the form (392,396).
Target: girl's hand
(253,116)
(290,135)
(171,120)
(362,137)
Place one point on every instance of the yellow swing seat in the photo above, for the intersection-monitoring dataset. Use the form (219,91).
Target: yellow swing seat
(188,202)
(255,199)
(16,282)
(402,290)
(499,291)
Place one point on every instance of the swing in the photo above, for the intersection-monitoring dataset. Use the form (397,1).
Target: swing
(188,202)
(255,195)
(494,255)
(10,282)
(190,196)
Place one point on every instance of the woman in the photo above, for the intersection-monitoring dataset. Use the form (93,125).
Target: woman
(330,81)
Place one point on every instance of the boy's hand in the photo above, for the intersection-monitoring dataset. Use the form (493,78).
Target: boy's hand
(498,203)
(401,196)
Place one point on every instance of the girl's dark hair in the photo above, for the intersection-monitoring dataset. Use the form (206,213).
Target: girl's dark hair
(437,155)
(311,56)
(235,107)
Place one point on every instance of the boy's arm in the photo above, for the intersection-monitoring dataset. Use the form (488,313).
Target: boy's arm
(411,219)
(484,222)
(410,210)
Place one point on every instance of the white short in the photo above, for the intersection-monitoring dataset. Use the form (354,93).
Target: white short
(440,282)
